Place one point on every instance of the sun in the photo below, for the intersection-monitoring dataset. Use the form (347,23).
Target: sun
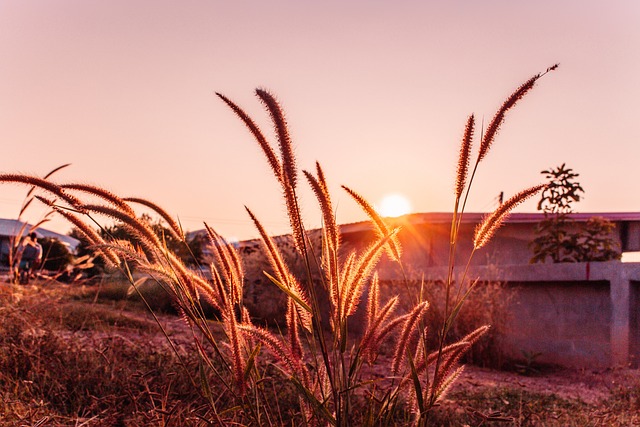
(393,205)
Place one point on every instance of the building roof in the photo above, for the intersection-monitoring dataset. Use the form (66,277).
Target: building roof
(467,218)
(476,217)
(12,227)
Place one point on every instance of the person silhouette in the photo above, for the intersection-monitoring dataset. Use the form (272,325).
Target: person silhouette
(31,257)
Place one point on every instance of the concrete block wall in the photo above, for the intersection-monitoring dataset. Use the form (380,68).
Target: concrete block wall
(577,314)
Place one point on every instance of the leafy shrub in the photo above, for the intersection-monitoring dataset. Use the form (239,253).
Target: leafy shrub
(559,237)
(55,255)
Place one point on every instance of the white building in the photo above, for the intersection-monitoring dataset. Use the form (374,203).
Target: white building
(12,228)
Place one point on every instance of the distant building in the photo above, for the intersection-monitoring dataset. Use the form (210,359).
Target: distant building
(11,228)
(571,314)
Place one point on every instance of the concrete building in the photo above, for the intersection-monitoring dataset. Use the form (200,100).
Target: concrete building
(572,314)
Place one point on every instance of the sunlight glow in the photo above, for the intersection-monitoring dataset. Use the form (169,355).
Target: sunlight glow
(393,205)
(630,257)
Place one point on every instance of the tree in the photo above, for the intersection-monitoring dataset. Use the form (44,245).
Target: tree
(556,234)
(560,192)
(559,237)
(55,255)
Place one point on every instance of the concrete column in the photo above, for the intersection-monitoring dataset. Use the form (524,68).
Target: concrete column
(619,285)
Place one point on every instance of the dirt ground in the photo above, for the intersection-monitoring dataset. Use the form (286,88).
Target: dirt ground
(589,386)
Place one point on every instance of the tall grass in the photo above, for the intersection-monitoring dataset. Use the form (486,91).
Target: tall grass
(328,367)
(66,362)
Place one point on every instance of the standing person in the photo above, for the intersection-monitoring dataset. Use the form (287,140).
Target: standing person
(38,261)
(31,257)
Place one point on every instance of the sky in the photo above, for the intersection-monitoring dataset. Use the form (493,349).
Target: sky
(377,91)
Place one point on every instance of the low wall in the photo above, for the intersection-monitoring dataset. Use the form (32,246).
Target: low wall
(572,314)
(578,314)
(566,323)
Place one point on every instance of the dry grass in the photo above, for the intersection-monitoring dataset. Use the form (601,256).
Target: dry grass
(533,408)
(67,362)
(486,304)
(105,364)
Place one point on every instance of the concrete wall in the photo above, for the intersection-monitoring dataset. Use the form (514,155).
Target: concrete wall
(579,314)
(573,314)
(567,323)
(634,323)
(632,237)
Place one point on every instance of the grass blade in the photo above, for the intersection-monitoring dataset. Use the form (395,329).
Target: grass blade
(287,291)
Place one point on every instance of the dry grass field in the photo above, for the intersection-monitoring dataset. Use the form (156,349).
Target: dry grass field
(91,356)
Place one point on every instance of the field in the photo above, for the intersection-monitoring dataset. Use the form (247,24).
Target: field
(90,356)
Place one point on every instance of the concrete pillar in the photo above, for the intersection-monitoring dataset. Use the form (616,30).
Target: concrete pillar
(619,285)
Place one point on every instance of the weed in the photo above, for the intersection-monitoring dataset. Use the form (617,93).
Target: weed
(529,365)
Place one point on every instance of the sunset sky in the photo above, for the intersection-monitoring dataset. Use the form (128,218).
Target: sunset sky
(377,91)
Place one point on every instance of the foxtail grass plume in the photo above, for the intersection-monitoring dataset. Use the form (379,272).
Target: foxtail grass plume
(280,349)
(272,159)
(43,184)
(444,386)
(330,232)
(451,356)
(283,274)
(377,329)
(295,217)
(339,288)
(499,117)
(463,159)
(293,329)
(453,353)
(319,187)
(373,300)
(275,258)
(353,286)
(289,170)
(136,226)
(46,177)
(236,340)
(408,328)
(394,249)
(89,233)
(229,261)
(450,351)
(174,227)
(490,224)
(285,168)
(101,193)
